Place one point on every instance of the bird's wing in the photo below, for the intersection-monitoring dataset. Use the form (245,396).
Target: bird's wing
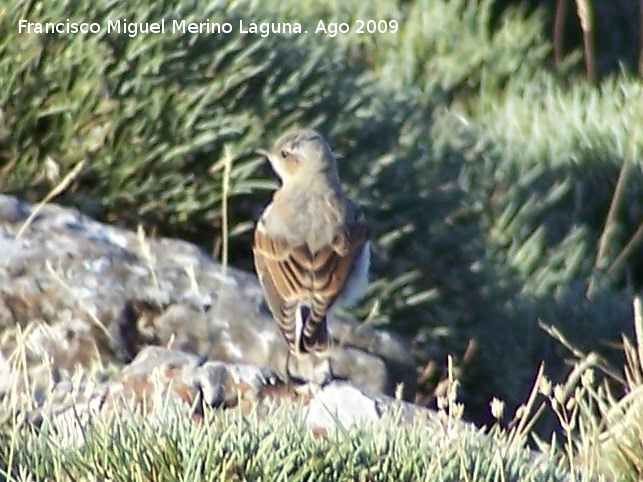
(292,276)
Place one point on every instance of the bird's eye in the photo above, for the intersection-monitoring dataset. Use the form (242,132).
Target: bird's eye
(284,154)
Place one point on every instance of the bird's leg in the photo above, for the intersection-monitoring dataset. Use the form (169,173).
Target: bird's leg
(308,372)
(290,378)
(329,370)
(321,371)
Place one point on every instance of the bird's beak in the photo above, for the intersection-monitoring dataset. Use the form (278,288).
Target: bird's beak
(263,152)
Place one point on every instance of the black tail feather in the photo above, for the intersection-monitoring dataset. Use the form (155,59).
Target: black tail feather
(319,339)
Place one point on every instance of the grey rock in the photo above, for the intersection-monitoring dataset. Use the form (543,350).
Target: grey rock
(77,292)
(161,383)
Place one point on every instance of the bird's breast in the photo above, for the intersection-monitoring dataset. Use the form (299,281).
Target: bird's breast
(310,220)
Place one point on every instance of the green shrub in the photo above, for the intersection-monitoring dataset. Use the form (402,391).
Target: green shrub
(451,49)
(540,165)
(151,113)
(232,447)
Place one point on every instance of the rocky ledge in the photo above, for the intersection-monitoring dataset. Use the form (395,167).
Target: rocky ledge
(161,383)
(79,294)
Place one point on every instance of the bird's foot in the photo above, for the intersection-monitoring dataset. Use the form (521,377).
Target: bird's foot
(308,374)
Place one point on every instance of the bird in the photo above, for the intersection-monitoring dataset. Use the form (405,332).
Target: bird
(311,249)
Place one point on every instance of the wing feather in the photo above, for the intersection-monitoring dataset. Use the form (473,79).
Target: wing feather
(293,276)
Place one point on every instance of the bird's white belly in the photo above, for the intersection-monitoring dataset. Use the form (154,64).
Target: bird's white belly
(357,279)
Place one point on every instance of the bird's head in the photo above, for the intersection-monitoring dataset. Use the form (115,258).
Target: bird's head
(301,153)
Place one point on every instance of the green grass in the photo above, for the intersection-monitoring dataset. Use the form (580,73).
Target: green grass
(228,446)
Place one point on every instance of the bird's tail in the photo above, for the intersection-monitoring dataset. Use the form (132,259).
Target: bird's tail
(314,335)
